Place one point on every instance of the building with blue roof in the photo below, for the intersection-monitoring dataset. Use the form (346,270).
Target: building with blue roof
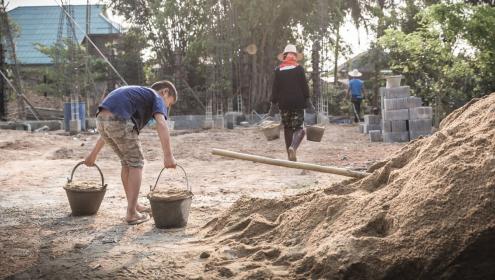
(41,25)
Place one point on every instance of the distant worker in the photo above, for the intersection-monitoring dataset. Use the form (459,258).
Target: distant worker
(120,118)
(290,93)
(356,92)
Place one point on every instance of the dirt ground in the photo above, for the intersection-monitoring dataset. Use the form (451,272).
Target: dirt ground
(40,239)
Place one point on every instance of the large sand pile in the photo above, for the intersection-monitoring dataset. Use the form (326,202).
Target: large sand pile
(428,212)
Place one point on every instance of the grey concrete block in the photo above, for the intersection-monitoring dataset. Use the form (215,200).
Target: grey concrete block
(23,126)
(402,103)
(219,123)
(208,124)
(416,134)
(415,102)
(361,127)
(372,119)
(7,125)
(395,115)
(171,125)
(394,126)
(396,103)
(75,126)
(370,127)
(90,123)
(188,121)
(420,113)
(420,125)
(391,137)
(375,136)
(398,92)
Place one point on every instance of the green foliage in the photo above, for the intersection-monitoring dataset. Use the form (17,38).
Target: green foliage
(444,50)
(449,59)
(69,71)
(128,60)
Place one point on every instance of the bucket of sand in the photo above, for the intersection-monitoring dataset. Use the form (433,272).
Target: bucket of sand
(271,130)
(84,197)
(170,207)
(314,133)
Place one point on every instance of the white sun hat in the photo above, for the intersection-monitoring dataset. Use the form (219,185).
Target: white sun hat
(290,48)
(355,73)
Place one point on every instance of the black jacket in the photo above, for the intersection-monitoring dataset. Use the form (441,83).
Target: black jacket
(290,88)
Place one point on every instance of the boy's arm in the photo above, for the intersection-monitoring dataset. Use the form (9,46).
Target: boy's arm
(162,128)
(91,158)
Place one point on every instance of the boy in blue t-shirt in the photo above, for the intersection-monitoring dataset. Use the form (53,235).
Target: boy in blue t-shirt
(120,118)
(356,92)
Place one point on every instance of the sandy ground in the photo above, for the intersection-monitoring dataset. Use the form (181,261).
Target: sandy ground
(40,239)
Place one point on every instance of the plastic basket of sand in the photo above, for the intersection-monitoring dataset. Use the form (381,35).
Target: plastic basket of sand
(271,130)
(170,207)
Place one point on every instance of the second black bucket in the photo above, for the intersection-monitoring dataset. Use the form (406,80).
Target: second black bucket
(172,212)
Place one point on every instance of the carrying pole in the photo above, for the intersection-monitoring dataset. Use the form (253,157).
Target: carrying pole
(291,164)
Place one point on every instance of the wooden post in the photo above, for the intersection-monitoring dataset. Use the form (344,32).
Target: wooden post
(3,92)
(291,164)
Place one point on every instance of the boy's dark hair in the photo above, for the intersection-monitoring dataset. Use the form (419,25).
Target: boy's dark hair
(166,84)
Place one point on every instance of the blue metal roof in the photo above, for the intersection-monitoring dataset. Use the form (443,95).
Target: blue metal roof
(40,24)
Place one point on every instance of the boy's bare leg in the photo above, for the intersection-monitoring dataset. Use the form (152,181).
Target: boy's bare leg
(134,178)
(124,175)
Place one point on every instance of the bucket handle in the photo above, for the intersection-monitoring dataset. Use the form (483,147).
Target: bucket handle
(185,176)
(80,163)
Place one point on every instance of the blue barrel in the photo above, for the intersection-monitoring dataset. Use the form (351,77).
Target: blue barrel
(68,114)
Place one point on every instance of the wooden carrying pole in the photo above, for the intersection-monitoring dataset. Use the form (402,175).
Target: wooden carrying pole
(290,164)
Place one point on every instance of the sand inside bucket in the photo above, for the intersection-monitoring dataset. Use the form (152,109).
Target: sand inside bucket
(169,194)
(269,125)
(83,186)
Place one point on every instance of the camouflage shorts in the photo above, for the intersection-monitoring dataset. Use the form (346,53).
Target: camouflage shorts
(122,138)
(292,119)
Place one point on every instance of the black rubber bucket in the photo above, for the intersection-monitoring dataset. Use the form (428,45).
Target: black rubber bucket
(173,212)
(85,202)
(314,133)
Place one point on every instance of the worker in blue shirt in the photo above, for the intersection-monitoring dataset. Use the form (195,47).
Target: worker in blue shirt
(356,92)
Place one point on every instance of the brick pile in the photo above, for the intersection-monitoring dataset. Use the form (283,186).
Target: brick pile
(403,117)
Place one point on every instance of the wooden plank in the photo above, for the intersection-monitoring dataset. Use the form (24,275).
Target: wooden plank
(291,164)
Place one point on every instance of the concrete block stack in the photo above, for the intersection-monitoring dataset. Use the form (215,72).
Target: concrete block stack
(404,118)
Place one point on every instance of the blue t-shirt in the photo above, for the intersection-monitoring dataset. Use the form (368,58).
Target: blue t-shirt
(356,87)
(136,103)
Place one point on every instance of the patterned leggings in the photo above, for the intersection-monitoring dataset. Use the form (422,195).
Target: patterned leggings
(292,119)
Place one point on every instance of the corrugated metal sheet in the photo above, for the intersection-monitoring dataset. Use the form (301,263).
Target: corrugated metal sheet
(40,24)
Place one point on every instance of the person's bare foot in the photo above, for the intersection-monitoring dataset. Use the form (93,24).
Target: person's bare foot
(141,208)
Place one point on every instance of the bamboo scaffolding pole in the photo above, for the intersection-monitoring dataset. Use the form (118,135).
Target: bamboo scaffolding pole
(290,164)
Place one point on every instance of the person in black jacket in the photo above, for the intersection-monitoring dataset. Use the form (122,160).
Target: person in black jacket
(290,93)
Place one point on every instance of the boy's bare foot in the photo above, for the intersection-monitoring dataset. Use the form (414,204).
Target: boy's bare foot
(141,208)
